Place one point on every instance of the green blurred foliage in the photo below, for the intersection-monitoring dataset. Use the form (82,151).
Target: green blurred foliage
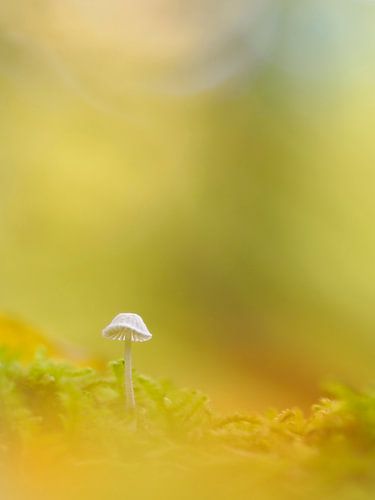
(65,432)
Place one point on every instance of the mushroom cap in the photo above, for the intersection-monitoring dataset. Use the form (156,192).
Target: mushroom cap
(127,326)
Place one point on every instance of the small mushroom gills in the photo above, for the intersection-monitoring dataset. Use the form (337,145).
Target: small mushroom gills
(128,328)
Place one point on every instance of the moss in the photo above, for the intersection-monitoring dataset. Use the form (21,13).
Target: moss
(76,416)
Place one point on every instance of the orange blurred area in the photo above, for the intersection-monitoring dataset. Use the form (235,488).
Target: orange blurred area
(22,340)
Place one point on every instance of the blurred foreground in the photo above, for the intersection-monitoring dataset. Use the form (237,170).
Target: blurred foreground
(65,433)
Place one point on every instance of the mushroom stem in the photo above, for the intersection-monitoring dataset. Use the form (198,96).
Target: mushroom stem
(128,381)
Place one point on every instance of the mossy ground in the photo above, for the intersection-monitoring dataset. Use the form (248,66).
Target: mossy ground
(64,429)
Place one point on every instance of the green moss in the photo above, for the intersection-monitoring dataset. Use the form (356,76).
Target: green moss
(79,414)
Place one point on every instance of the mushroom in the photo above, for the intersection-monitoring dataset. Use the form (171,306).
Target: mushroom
(128,328)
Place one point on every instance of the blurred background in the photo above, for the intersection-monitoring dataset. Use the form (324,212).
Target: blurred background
(208,165)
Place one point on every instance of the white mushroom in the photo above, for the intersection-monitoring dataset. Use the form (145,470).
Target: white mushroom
(128,328)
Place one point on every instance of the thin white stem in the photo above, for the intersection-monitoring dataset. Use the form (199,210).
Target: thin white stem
(128,381)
